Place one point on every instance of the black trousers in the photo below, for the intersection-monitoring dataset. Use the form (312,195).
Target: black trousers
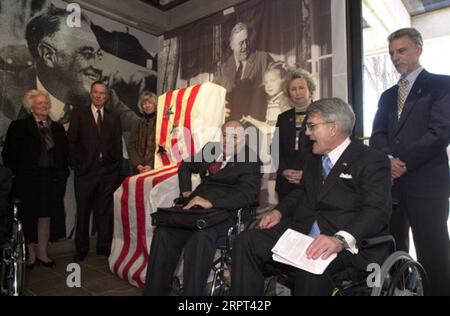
(252,261)
(428,221)
(199,250)
(94,192)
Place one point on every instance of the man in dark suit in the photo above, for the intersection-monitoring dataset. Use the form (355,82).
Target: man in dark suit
(95,140)
(242,76)
(343,198)
(412,127)
(230,179)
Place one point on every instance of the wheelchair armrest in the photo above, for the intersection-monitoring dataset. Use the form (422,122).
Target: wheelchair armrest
(248,213)
(375,241)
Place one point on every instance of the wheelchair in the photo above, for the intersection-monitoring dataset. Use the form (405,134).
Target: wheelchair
(12,255)
(221,285)
(399,275)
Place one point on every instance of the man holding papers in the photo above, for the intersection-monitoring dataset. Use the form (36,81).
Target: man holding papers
(343,198)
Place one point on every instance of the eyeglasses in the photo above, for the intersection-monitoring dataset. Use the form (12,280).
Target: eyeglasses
(312,126)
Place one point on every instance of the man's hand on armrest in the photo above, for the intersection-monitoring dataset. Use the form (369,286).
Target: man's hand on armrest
(270,219)
(198,201)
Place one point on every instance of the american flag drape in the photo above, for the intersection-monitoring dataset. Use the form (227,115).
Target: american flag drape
(187,119)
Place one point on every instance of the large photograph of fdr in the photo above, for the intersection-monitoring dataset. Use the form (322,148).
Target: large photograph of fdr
(248,49)
(44,47)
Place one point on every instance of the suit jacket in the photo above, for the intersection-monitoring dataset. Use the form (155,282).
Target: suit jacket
(359,203)
(86,143)
(420,137)
(22,149)
(288,157)
(245,96)
(235,185)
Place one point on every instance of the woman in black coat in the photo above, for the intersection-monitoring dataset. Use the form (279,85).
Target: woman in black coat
(294,146)
(36,150)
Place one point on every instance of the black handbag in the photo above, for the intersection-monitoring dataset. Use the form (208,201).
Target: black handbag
(194,218)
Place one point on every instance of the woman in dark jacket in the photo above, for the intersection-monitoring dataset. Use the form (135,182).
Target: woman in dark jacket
(36,150)
(141,144)
(294,146)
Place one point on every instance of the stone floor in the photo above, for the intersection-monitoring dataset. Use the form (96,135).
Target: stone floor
(96,279)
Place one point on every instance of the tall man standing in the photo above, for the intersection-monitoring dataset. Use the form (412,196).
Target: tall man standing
(95,140)
(412,126)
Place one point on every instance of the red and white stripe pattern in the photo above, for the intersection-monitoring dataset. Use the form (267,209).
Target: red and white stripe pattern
(187,119)
(196,108)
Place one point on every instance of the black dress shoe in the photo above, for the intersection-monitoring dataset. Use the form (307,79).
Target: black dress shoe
(79,257)
(48,264)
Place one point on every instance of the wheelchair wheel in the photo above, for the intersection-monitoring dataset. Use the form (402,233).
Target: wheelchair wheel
(221,283)
(18,271)
(400,275)
(12,272)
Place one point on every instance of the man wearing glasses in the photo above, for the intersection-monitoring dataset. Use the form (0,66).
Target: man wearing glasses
(343,198)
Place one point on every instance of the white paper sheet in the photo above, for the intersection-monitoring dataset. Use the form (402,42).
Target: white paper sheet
(291,249)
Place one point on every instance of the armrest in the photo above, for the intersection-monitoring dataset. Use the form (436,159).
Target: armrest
(375,241)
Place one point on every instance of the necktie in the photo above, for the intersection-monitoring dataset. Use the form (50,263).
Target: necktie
(315,231)
(214,167)
(402,94)
(239,72)
(99,121)
(327,165)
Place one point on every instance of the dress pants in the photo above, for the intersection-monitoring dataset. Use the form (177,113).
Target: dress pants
(428,221)
(252,260)
(94,192)
(199,250)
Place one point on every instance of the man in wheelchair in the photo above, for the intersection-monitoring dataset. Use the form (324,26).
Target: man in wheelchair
(231,179)
(343,198)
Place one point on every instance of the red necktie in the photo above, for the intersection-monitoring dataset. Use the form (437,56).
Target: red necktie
(214,167)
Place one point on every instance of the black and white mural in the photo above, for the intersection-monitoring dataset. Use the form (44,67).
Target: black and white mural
(248,48)
(59,47)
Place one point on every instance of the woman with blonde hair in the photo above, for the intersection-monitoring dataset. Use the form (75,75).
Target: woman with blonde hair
(141,143)
(294,146)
